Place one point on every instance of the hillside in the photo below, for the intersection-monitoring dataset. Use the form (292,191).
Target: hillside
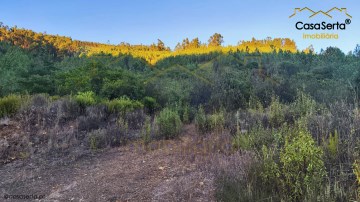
(29,39)
(259,121)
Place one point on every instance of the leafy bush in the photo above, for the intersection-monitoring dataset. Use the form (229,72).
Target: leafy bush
(9,105)
(123,105)
(216,121)
(254,139)
(302,167)
(276,110)
(200,121)
(169,123)
(304,105)
(150,104)
(332,146)
(290,162)
(85,98)
(185,115)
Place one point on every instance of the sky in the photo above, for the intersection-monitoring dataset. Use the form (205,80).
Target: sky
(145,21)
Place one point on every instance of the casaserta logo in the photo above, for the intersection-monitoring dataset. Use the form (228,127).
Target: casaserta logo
(322,25)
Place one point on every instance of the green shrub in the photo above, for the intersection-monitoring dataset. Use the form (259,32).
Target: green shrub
(357,171)
(243,141)
(9,105)
(302,167)
(216,121)
(270,171)
(332,146)
(85,98)
(186,115)
(146,131)
(123,105)
(294,169)
(276,110)
(150,104)
(200,121)
(169,123)
(304,105)
(254,139)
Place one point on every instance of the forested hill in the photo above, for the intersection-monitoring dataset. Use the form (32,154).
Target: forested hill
(66,46)
(193,73)
(296,112)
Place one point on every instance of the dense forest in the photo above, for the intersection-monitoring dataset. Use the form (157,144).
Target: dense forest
(296,112)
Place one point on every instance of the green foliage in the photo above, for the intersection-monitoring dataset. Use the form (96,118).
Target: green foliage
(232,88)
(185,115)
(332,146)
(254,139)
(9,105)
(270,172)
(216,121)
(304,105)
(294,169)
(302,167)
(276,112)
(14,66)
(169,123)
(85,98)
(109,83)
(150,104)
(243,141)
(357,171)
(118,83)
(73,81)
(201,121)
(146,131)
(123,105)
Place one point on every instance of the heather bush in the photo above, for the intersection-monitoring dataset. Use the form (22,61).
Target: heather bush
(97,139)
(186,114)
(276,113)
(150,104)
(332,146)
(85,99)
(254,139)
(201,121)
(216,121)
(9,105)
(304,105)
(169,123)
(123,105)
(146,131)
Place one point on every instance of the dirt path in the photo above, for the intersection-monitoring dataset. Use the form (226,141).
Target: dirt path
(120,174)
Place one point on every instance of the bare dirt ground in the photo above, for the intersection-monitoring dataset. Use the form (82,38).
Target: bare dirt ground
(162,173)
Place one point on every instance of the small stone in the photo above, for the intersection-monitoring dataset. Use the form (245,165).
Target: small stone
(201,183)
(161,168)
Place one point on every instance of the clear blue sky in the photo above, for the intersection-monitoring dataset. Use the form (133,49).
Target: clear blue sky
(144,21)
